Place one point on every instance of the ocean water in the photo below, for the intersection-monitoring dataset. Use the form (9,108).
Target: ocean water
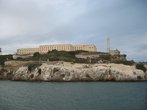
(73,95)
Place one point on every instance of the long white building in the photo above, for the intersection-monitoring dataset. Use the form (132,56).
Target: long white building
(60,47)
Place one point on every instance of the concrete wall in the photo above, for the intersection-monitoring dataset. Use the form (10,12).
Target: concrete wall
(27,51)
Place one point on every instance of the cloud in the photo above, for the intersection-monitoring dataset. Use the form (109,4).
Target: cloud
(33,17)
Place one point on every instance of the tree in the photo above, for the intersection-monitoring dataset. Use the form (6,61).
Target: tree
(36,54)
(4,58)
(141,66)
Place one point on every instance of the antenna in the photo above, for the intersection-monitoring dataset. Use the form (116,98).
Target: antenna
(108,44)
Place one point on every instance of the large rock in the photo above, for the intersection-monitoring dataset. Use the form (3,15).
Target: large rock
(80,72)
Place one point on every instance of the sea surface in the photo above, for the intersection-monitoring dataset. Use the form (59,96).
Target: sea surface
(73,95)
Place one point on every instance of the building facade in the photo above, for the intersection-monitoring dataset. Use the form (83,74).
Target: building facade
(60,47)
(27,51)
(114,52)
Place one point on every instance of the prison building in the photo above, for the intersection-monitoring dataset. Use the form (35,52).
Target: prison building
(60,47)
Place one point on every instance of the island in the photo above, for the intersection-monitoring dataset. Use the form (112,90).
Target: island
(71,66)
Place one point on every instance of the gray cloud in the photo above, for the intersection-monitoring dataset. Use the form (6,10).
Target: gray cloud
(25,23)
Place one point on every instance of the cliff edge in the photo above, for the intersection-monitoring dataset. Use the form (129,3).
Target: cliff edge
(79,72)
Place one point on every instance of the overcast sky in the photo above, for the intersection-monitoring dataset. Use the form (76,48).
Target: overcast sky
(30,23)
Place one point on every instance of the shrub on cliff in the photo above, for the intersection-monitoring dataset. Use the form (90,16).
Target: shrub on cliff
(140,66)
(105,57)
(31,67)
(36,54)
(4,58)
(124,62)
(54,55)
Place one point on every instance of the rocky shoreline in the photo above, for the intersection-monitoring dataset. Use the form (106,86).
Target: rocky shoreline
(74,72)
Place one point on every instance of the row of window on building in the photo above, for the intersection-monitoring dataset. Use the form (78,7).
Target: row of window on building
(46,48)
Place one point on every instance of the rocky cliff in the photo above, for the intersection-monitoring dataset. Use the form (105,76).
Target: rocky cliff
(80,72)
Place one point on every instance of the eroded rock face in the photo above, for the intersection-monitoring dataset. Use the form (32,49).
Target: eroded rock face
(5,74)
(80,72)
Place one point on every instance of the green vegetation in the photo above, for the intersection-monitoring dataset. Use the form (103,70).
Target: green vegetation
(105,57)
(54,55)
(69,56)
(4,58)
(87,60)
(124,62)
(31,67)
(141,66)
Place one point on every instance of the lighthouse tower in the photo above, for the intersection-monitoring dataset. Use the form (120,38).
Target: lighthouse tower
(108,45)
